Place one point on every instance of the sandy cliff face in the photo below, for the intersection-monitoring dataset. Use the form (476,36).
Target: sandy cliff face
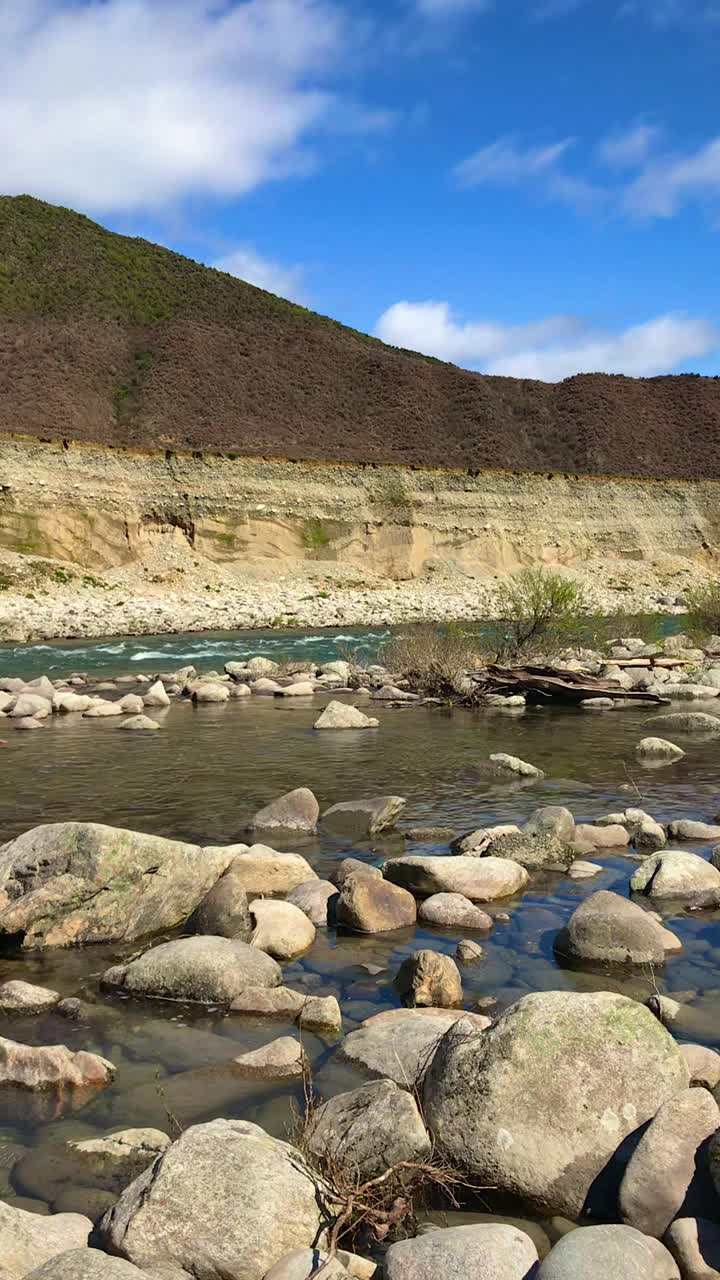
(99,507)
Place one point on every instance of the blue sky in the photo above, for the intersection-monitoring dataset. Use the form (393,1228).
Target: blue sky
(529,187)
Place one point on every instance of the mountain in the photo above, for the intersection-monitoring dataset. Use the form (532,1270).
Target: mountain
(115,340)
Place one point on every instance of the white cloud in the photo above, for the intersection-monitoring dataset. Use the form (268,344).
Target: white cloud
(670,181)
(628,149)
(128,104)
(502,162)
(249,265)
(551,349)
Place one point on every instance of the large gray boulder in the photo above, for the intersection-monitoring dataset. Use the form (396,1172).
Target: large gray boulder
(553,820)
(598,1253)
(27,1240)
(399,1044)
(691,722)
(609,928)
(297,810)
(538,1104)
(261,870)
(664,1167)
(281,929)
(674,874)
(342,715)
(71,882)
(86,1264)
(226,1201)
(224,912)
(489,1251)
(690,829)
(368,904)
(534,850)
(17,996)
(368,1130)
(479,879)
(201,970)
(361,818)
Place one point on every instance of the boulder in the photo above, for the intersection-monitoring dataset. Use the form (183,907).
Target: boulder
(660,1174)
(28,1240)
(537,1105)
(692,722)
(581,870)
(649,836)
(533,850)
(239,690)
(51,1067)
(101,710)
(674,874)
(695,1245)
(703,1065)
(714,1161)
(71,882)
(342,715)
(658,749)
(298,689)
(314,897)
(553,820)
(338,667)
(400,1043)
(260,666)
(210,692)
(369,905)
(281,929)
(141,723)
(353,867)
(321,1014)
(297,810)
(68,702)
(688,829)
(489,1251)
(500,763)
(133,704)
(313,1013)
(156,696)
(30,704)
(453,911)
(201,970)
(368,1130)
(17,996)
(302,1263)
(479,879)
(360,818)
(86,1264)
(478,841)
(108,1164)
(224,911)
(606,927)
(589,837)
(186,1207)
(598,1253)
(25,723)
(429,979)
(467,951)
(282,1059)
(261,870)
(265,687)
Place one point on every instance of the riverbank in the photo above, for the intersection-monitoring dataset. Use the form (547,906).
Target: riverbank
(171,589)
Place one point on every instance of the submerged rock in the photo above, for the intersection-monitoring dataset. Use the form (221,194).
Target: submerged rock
(109,1164)
(187,1205)
(202,970)
(71,882)
(282,1059)
(536,1106)
(297,810)
(658,749)
(17,996)
(687,722)
(501,764)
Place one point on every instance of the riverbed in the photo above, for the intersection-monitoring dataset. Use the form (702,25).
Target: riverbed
(211,767)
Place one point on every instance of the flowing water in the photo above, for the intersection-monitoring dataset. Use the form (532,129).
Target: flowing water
(210,768)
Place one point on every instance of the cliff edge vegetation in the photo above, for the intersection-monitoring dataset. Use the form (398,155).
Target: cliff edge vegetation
(117,341)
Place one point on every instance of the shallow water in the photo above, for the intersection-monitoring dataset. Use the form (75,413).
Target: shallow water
(210,768)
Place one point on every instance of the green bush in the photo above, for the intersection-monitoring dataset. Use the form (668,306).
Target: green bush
(541,614)
(703,609)
(315,535)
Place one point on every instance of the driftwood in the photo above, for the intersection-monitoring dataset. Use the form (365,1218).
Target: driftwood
(547,684)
